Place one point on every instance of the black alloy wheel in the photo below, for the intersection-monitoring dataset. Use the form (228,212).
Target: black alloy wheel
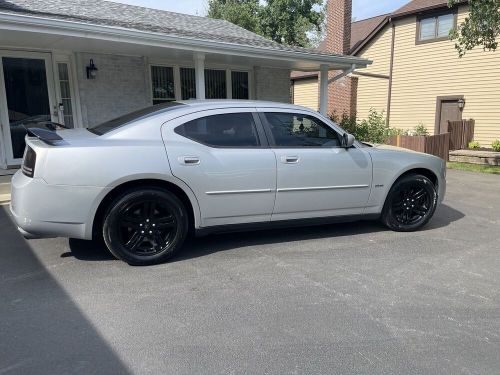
(410,204)
(145,227)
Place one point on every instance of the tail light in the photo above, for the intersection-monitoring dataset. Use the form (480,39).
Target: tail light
(29,161)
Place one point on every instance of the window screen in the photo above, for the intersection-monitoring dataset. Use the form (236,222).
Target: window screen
(188,83)
(428,28)
(445,24)
(297,130)
(162,84)
(239,83)
(227,130)
(215,84)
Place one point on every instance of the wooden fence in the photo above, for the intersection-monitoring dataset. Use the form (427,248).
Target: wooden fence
(438,145)
(461,133)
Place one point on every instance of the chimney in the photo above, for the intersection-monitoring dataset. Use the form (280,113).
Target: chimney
(338,26)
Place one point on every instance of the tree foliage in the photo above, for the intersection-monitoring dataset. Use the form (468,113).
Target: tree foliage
(480,28)
(289,22)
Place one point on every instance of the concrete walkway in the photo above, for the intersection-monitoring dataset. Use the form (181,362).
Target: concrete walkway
(5,189)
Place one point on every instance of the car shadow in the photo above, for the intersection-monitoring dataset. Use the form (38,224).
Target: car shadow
(42,329)
(202,246)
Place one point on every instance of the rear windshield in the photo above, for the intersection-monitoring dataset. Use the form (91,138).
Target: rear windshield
(141,114)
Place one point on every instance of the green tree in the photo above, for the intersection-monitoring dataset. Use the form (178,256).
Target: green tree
(290,22)
(480,28)
(244,13)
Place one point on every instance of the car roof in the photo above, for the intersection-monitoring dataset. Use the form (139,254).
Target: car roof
(232,103)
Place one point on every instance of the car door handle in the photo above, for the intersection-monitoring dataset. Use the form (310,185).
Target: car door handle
(189,160)
(290,159)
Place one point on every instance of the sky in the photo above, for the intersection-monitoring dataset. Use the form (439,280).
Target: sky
(361,8)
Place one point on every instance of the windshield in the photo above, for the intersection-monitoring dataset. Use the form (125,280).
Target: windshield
(108,126)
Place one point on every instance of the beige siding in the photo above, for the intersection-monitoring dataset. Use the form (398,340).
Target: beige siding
(305,93)
(424,72)
(373,92)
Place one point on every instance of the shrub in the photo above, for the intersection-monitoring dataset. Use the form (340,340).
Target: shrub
(420,129)
(473,145)
(496,145)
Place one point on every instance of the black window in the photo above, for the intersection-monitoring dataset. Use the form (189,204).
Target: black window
(227,130)
(134,116)
(297,130)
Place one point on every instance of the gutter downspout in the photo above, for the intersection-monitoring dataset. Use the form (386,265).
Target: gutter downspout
(391,68)
(343,74)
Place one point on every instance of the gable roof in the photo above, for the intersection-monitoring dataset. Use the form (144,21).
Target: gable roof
(418,6)
(360,30)
(111,14)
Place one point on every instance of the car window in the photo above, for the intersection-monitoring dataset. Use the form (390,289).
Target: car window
(225,130)
(133,116)
(298,130)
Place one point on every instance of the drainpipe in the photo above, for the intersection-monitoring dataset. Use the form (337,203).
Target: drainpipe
(391,68)
(343,74)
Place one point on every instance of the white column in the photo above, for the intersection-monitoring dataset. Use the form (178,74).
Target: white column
(199,66)
(323,90)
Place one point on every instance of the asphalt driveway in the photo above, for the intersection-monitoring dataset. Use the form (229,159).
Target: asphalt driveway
(345,298)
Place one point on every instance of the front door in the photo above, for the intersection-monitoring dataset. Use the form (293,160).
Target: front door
(26,97)
(449,111)
(316,177)
(222,155)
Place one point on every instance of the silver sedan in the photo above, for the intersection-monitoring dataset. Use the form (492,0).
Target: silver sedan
(143,181)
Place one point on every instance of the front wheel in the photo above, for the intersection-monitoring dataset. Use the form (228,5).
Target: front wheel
(144,227)
(410,204)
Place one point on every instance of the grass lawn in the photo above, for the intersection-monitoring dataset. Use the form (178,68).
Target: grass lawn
(475,167)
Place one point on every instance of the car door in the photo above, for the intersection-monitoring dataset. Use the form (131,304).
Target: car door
(316,176)
(223,156)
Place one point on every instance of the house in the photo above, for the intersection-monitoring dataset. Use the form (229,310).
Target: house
(82,62)
(416,76)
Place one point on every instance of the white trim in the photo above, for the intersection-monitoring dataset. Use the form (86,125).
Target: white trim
(199,68)
(123,35)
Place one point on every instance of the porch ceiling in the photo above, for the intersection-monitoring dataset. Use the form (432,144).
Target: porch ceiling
(42,34)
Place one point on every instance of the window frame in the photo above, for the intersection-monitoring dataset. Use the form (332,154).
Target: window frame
(435,16)
(270,136)
(262,140)
(189,64)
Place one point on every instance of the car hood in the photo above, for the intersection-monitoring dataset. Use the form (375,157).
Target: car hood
(380,146)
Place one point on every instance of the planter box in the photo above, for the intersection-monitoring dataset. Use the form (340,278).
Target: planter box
(438,145)
(476,157)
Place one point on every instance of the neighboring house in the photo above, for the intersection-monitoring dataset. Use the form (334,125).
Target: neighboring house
(416,75)
(82,62)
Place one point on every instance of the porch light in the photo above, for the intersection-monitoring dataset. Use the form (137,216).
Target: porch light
(461,104)
(91,70)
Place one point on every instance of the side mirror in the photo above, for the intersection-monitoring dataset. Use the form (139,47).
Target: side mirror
(347,140)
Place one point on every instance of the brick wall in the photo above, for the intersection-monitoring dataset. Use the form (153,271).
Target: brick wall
(272,84)
(121,86)
(342,93)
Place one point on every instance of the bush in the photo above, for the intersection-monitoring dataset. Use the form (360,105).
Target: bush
(496,145)
(374,129)
(473,145)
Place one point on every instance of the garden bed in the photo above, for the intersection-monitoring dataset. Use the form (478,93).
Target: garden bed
(475,157)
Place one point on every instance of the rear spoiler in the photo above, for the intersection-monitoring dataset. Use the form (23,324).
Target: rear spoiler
(48,136)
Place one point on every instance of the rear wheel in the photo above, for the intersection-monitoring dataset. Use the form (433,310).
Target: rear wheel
(410,204)
(146,226)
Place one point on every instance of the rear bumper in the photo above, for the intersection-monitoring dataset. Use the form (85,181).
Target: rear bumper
(41,210)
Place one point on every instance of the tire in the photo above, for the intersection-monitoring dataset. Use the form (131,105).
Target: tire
(145,226)
(410,204)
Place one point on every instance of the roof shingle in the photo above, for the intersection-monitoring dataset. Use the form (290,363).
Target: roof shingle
(107,13)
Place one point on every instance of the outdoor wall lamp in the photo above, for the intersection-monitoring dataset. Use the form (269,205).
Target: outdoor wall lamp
(91,70)
(461,104)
